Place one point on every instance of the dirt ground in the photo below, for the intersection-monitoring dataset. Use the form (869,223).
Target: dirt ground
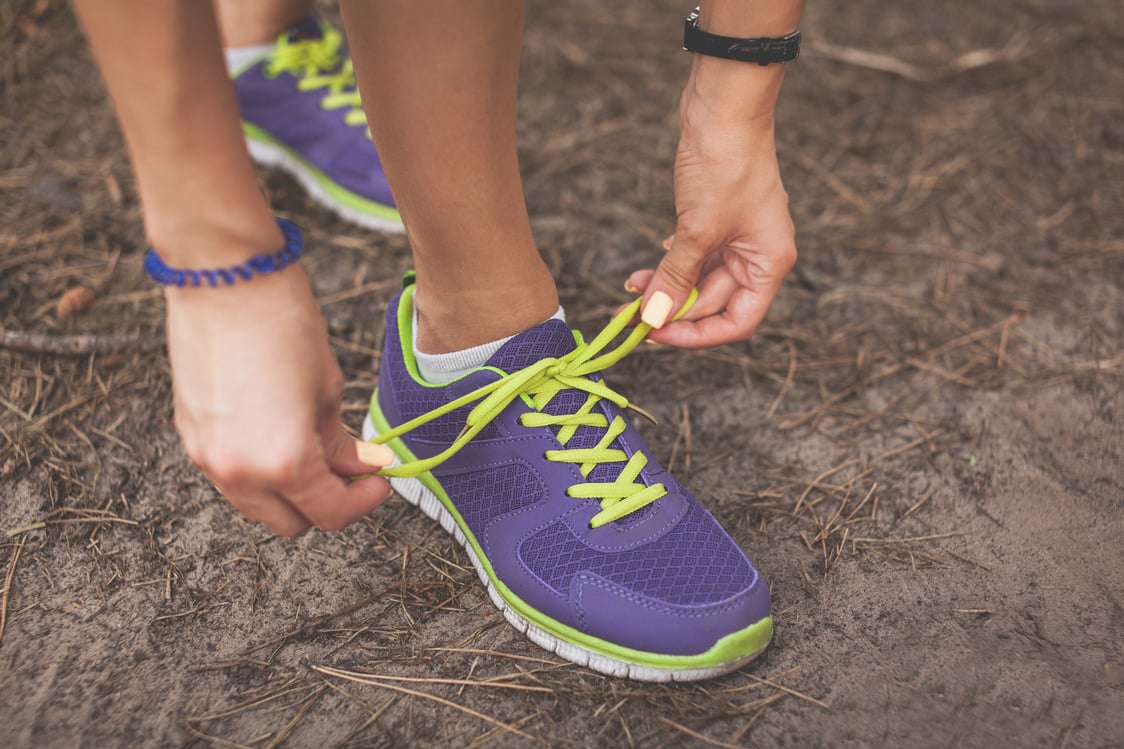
(922,449)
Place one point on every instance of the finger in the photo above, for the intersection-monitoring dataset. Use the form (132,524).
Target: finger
(333,503)
(348,456)
(638,281)
(268,509)
(715,291)
(676,275)
(743,314)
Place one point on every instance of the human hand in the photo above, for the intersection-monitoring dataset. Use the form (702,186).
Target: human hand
(734,238)
(257,403)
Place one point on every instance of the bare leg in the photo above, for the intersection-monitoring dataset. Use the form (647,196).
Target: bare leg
(441,78)
(198,189)
(247,22)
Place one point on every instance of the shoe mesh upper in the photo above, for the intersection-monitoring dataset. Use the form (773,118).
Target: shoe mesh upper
(413,400)
(551,338)
(483,495)
(718,569)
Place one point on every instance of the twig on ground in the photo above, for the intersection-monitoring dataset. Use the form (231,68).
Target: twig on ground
(756,717)
(904,539)
(788,690)
(289,687)
(348,676)
(461,682)
(283,734)
(760,683)
(80,344)
(215,740)
(695,734)
(965,559)
(318,621)
(789,379)
(12,562)
(496,653)
(356,291)
(1015,49)
(821,477)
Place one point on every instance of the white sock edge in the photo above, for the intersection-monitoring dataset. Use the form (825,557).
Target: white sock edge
(440,369)
(238,59)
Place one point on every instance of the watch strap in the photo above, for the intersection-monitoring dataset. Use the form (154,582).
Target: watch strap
(762,50)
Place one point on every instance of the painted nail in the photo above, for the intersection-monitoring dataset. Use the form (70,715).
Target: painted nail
(657,309)
(630,288)
(374,455)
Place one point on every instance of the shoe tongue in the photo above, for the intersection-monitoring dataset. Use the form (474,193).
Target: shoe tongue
(550,339)
(307,28)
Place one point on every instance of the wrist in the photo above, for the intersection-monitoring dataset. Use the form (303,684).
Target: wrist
(726,92)
(733,90)
(226,273)
(214,239)
(241,303)
(734,18)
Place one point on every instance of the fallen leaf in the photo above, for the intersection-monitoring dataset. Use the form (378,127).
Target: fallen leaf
(74,302)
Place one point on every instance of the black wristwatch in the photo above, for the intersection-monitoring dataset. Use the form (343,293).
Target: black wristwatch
(763,50)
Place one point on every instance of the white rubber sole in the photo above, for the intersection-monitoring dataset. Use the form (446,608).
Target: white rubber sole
(417,494)
(272,155)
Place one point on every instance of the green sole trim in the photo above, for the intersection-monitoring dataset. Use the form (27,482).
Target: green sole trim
(344,196)
(736,645)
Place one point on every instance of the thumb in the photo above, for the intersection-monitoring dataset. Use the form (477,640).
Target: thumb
(348,456)
(673,280)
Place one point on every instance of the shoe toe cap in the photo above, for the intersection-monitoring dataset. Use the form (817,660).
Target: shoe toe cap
(613,613)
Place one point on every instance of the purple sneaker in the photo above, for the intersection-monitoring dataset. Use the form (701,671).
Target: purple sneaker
(583,540)
(301,112)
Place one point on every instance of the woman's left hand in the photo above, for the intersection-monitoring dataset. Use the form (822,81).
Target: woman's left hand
(734,238)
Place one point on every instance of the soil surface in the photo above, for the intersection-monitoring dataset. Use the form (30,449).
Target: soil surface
(922,449)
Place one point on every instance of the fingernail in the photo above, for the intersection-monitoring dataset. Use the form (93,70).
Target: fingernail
(657,309)
(666,244)
(630,288)
(375,455)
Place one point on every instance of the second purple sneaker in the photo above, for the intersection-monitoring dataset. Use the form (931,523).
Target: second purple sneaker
(301,113)
(583,540)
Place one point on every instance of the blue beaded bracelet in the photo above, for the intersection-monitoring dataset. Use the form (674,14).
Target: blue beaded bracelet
(258,264)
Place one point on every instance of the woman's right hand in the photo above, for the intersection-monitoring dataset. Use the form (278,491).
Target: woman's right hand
(257,403)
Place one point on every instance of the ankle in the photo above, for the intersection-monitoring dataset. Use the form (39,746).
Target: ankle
(243,25)
(453,322)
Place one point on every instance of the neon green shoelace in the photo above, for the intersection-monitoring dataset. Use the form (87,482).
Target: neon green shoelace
(316,62)
(537,385)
